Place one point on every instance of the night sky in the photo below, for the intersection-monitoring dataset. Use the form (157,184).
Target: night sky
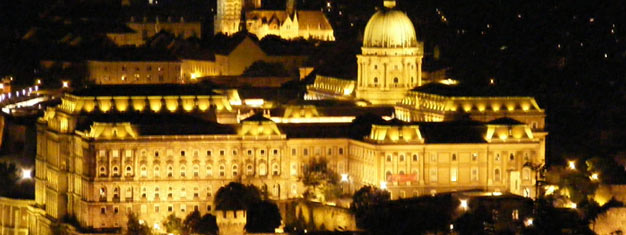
(570,55)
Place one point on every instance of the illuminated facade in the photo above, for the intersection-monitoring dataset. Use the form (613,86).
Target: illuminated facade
(287,24)
(391,59)
(152,150)
(107,72)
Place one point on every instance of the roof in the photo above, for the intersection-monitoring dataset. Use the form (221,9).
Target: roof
(315,130)
(461,90)
(144,90)
(389,28)
(134,54)
(313,20)
(453,132)
(505,121)
(257,117)
(158,124)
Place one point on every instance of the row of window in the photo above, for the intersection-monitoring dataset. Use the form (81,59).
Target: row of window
(156,170)
(222,152)
(433,172)
(453,157)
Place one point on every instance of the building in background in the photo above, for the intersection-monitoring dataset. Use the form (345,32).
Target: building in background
(139,31)
(233,16)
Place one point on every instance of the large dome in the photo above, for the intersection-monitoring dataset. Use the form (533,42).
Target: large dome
(389,28)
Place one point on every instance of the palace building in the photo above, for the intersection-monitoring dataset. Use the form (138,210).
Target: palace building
(160,149)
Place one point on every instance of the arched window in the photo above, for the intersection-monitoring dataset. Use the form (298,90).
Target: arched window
(116,193)
(294,169)
(526,173)
(196,170)
(453,157)
(103,194)
(402,158)
(375,79)
(388,158)
(526,157)
(511,157)
(144,171)
(183,171)
(401,172)
(275,169)
(395,80)
(388,175)
(103,171)
(157,171)
(415,158)
(235,170)
(170,171)
(209,170)
(250,170)
(116,171)
(129,171)
(222,170)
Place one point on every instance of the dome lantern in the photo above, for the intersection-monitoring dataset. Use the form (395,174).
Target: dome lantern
(389,3)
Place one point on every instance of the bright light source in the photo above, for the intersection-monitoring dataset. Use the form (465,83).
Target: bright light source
(571,205)
(463,204)
(194,76)
(528,222)
(344,177)
(66,84)
(157,226)
(383,185)
(451,226)
(27,174)
(254,102)
(496,193)
(141,221)
(594,177)
(38,81)
(571,165)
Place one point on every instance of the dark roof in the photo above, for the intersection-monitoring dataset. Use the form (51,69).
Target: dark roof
(257,117)
(465,90)
(453,132)
(505,121)
(144,90)
(316,130)
(134,54)
(158,124)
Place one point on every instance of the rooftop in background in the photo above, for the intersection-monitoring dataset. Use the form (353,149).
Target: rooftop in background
(134,54)
(145,90)
(461,90)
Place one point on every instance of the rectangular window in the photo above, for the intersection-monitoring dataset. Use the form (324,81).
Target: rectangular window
(293,152)
(453,174)
(433,175)
(433,157)
(474,172)
(340,151)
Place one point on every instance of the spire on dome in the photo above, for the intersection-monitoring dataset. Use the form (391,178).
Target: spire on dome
(389,4)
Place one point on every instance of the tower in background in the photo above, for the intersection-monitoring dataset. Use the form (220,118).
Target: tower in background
(228,17)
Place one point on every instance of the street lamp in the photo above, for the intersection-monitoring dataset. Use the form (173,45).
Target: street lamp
(383,185)
(464,204)
(344,177)
(571,165)
(66,84)
(27,174)
(528,222)
(594,177)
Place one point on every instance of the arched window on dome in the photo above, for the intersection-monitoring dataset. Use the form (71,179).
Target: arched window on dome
(395,80)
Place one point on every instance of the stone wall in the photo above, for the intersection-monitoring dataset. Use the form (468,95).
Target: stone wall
(316,216)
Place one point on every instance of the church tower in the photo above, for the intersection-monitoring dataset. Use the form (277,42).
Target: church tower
(391,60)
(228,17)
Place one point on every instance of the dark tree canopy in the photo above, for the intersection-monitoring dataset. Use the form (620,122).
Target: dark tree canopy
(263,217)
(133,227)
(207,225)
(321,181)
(174,224)
(368,196)
(236,196)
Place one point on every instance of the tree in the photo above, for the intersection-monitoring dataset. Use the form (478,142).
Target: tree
(191,222)
(174,225)
(368,196)
(263,217)
(322,183)
(134,227)
(236,196)
(207,225)
(8,178)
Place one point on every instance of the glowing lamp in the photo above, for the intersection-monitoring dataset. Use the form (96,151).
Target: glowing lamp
(594,177)
(27,174)
(464,204)
(383,185)
(66,84)
(571,165)
(344,177)
(528,222)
